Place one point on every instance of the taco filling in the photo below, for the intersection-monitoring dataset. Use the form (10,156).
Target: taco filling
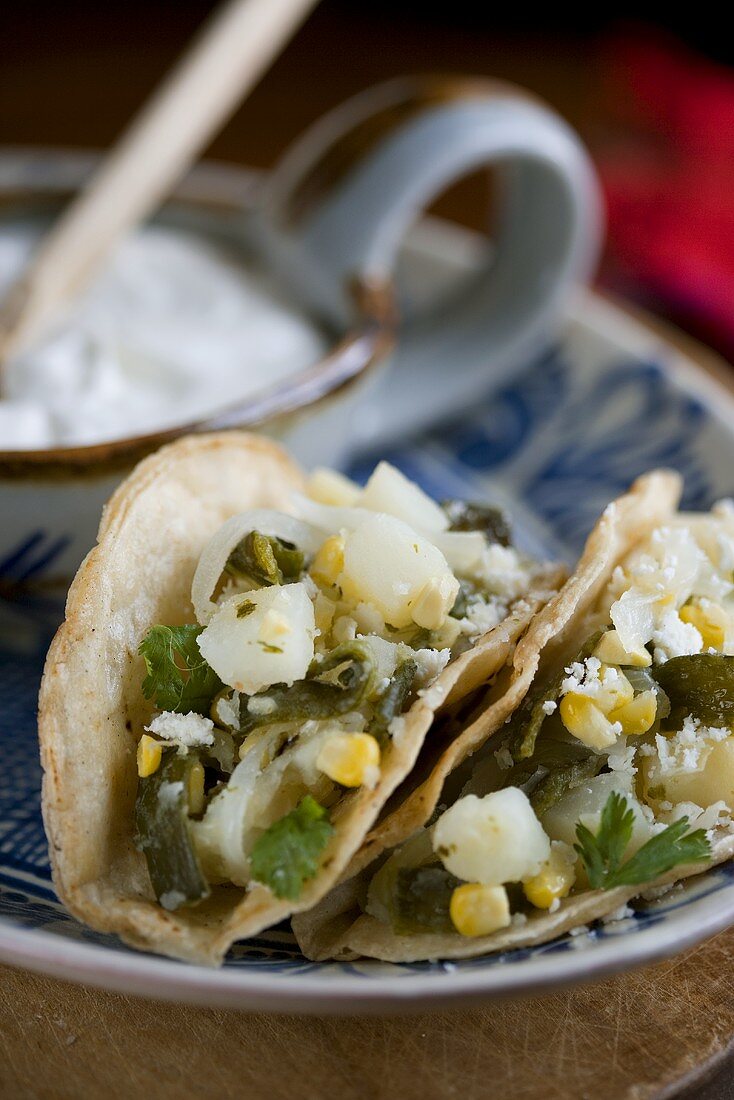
(314,634)
(617,768)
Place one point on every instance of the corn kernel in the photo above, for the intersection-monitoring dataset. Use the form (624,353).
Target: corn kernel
(323,610)
(612,652)
(477,910)
(710,620)
(350,759)
(584,720)
(616,692)
(555,878)
(149,755)
(637,716)
(434,602)
(330,487)
(329,561)
(196,788)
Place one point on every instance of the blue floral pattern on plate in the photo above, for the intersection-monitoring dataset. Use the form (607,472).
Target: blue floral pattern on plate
(564,437)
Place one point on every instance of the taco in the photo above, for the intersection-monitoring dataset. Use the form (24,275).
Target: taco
(614,775)
(249,666)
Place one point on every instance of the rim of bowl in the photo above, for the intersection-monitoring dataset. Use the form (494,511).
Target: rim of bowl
(32,177)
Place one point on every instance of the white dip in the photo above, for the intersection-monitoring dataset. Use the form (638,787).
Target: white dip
(174,329)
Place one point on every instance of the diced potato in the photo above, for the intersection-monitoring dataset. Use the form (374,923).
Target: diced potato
(479,910)
(388,490)
(434,602)
(260,638)
(387,564)
(330,487)
(493,839)
(611,651)
(713,782)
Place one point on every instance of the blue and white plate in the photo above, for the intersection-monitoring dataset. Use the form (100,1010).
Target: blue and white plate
(570,432)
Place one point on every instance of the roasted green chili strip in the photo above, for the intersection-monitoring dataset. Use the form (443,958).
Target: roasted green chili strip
(552,789)
(221,754)
(491,521)
(392,701)
(526,723)
(701,685)
(265,559)
(163,827)
(420,900)
(332,687)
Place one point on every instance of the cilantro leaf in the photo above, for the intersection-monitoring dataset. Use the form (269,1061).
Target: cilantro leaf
(177,676)
(602,854)
(287,854)
(664,851)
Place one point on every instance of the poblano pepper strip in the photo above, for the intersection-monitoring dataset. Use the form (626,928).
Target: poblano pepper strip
(164,834)
(334,686)
(701,685)
(529,717)
(490,521)
(420,900)
(265,559)
(392,701)
(552,788)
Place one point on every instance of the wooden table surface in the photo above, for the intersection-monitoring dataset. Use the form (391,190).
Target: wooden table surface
(633,1037)
(71,75)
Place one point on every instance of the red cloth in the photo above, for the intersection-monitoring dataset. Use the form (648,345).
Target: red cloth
(669,181)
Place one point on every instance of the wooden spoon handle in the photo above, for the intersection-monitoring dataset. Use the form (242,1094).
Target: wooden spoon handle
(226,59)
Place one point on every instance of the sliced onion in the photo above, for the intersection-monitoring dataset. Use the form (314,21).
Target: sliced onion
(217,550)
(329,518)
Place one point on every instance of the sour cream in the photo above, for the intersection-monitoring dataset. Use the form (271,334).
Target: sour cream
(176,328)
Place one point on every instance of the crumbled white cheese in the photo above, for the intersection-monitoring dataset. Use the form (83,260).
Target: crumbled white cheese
(582,678)
(674,638)
(621,913)
(483,615)
(686,751)
(621,758)
(549,706)
(431,663)
(172,899)
(715,816)
(168,793)
(187,730)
